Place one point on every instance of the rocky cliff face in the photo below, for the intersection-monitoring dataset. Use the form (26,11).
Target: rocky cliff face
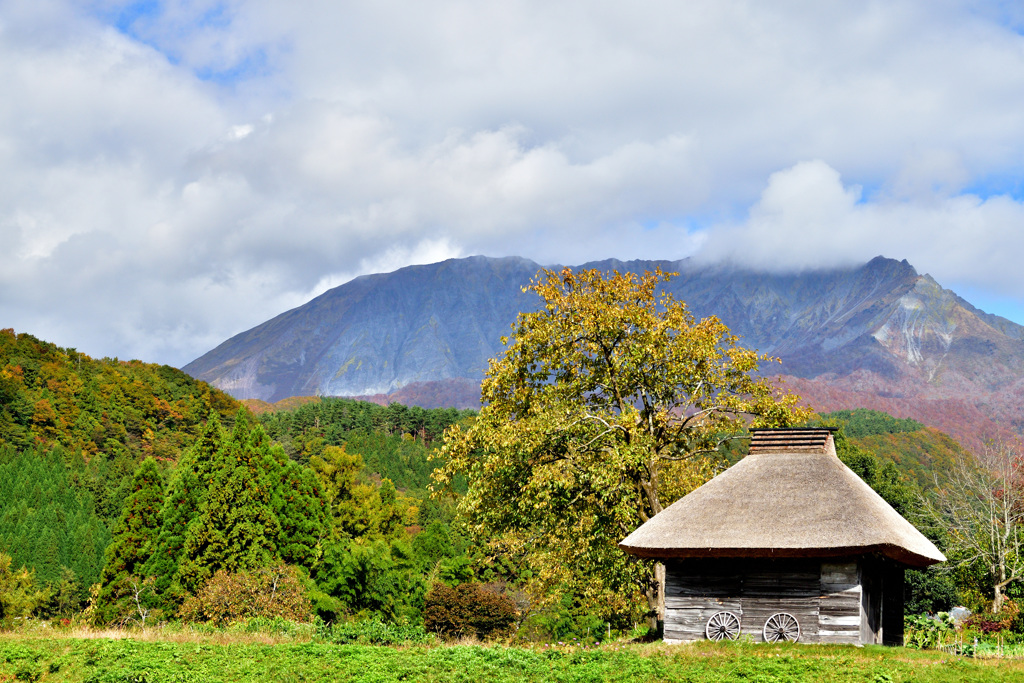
(880,330)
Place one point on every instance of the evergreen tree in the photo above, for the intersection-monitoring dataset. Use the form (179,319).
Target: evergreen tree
(133,544)
(237,528)
(236,503)
(301,511)
(46,558)
(188,490)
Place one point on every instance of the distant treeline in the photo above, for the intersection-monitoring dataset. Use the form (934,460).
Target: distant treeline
(920,453)
(393,441)
(863,422)
(336,416)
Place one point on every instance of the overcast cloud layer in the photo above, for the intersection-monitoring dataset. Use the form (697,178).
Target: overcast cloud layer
(176,172)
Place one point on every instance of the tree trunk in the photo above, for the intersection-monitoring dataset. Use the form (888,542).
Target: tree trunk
(997,601)
(656,601)
(659,577)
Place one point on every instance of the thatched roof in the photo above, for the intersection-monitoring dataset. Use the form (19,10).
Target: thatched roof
(790,497)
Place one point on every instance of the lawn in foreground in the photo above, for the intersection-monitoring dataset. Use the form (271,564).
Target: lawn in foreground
(136,661)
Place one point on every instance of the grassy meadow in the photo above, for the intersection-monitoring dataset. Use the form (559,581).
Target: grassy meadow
(112,656)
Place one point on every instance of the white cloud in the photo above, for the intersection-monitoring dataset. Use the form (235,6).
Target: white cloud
(806,218)
(220,161)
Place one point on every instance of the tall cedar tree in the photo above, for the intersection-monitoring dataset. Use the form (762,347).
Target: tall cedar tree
(261,509)
(190,483)
(301,509)
(132,546)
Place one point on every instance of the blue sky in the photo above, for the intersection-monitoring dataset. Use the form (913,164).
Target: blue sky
(177,172)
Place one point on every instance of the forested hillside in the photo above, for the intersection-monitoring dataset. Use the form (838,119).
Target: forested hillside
(73,430)
(144,482)
(112,408)
(921,453)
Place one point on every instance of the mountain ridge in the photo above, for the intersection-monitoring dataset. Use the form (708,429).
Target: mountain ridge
(880,329)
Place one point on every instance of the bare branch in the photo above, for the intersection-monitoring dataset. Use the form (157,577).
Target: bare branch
(980,509)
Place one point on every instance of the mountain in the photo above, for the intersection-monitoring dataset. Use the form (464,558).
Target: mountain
(879,335)
(378,333)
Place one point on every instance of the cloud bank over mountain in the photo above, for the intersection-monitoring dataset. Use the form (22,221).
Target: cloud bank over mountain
(177,172)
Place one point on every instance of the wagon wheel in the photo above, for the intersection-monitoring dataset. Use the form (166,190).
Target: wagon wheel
(723,625)
(781,626)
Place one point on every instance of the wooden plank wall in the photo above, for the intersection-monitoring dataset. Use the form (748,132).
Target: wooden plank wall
(824,597)
(839,612)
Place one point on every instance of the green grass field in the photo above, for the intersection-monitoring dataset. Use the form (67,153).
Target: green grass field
(129,660)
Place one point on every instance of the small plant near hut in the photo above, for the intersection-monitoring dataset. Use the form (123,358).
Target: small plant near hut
(373,631)
(924,632)
(1000,622)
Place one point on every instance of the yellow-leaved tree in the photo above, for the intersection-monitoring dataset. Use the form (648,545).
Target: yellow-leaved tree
(598,415)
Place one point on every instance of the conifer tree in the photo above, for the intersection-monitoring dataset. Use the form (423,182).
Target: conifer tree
(237,528)
(301,511)
(236,503)
(133,543)
(47,556)
(188,490)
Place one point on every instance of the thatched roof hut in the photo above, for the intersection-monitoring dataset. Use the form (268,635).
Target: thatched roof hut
(788,512)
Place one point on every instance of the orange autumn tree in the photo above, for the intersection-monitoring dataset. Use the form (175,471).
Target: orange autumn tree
(596,417)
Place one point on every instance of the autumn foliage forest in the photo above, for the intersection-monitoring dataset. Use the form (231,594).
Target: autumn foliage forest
(132,494)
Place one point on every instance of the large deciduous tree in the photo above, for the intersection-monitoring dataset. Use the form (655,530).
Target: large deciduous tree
(979,508)
(592,423)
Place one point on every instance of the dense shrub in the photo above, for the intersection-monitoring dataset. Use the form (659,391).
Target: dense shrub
(269,592)
(18,593)
(929,591)
(469,609)
(986,622)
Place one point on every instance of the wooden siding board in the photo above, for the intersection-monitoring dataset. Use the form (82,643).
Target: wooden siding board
(696,602)
(839,613)
(704,586)
(840,637)
(825,597)
(752,590)
(688,623)
(839,572)
(871,600)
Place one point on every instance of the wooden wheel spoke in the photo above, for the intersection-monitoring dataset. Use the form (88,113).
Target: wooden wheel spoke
(781,626)
(723,625)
